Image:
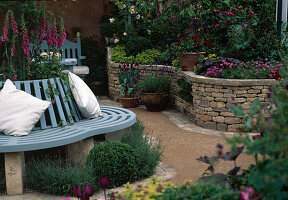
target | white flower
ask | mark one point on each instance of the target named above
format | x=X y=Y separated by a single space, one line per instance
x=112 y=20
x=116 y=40
x=44 y=54
x=149 y=32
x=138 y=16
x=124 y=33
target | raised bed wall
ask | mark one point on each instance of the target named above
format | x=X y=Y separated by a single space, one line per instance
x=212 y=97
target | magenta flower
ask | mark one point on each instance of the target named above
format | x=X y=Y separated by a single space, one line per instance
x=245 y=25
x=89 y=190
x=26 y=44
x=217 y=25
x=13 y=49
x=14 y=24
x=77 y=191
x=104 y=182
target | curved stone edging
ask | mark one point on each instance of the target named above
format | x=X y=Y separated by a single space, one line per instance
x=212 y=97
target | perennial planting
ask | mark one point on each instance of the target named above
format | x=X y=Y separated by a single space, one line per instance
x=20 y=43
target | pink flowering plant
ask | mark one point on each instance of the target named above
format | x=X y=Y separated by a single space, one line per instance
x=247 y=70
x=186 y=45
x=20 y=41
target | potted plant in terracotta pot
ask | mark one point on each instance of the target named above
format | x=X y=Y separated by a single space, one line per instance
x=128 y=79
x=155 y=92
x=188 y=51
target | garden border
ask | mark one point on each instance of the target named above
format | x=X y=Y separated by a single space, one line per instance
x=212 y=97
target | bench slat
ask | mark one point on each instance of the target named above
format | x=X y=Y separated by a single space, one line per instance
x=75 y=112
x=18 y=85
x=58 y=103
x=64 y=100
x=27 y=87
x=38 y=95
x=50 y=108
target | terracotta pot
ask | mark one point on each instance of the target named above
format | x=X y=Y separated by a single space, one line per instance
x=190 y=60
x=155 y=102
x=129 y=102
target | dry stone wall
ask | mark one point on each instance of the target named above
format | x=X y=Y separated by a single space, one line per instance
x=212 y=97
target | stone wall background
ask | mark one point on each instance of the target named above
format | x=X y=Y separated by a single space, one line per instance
x=212 y=97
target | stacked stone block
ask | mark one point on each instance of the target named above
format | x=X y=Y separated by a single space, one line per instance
x=212 y=97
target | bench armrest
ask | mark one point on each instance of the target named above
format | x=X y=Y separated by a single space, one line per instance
x=82 y=57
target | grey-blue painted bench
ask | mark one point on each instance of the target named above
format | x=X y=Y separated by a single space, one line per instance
x=76 y=133
x=69 y=50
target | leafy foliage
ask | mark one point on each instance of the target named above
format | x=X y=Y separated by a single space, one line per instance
x=115 y=160
x=148 y=150
x=109 y=29
x=269 y=175
x=149 y=56
x=198 y=191
x=119 y=55
x=137 y=44
x=184 y=84
x=154 y=84
x=2 y=181
x=54 y=177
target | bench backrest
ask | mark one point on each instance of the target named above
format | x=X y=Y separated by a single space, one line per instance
x=69 y=49
x=63 y=109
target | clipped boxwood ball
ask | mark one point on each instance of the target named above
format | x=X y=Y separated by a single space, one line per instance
x=115 y=160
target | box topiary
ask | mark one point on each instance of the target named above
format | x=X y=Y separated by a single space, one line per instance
x=115 y=160
x=137 y=44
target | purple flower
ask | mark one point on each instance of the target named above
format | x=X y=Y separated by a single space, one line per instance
x=104 y=182
x=77 y=191
x=89 y=190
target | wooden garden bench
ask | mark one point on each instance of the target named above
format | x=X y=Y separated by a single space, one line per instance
x=76 y=133
x=70 y=50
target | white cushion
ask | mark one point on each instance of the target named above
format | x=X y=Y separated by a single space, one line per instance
x=84 y=97
x=19 y=111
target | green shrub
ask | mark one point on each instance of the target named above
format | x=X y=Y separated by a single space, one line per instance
x=119 y=55
x=147 y=150
x=185 y=96
x=108 y=29
x=148 y=56
x=54 y=177
x=197 y=192
x=137 y=44
x=115 y=160
x=176 y=63
x=184 y=84
x=155 y=84
x=2 y=181
x=168 y=191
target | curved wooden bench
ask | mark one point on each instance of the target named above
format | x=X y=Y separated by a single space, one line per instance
x=61 y=124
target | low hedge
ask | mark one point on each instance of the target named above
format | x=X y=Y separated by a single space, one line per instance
x=54 y=177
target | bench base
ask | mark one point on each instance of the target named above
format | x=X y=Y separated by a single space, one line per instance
x=14 y=172
x=76 y=154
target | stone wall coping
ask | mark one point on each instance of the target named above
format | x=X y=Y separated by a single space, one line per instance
x=191 y=76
